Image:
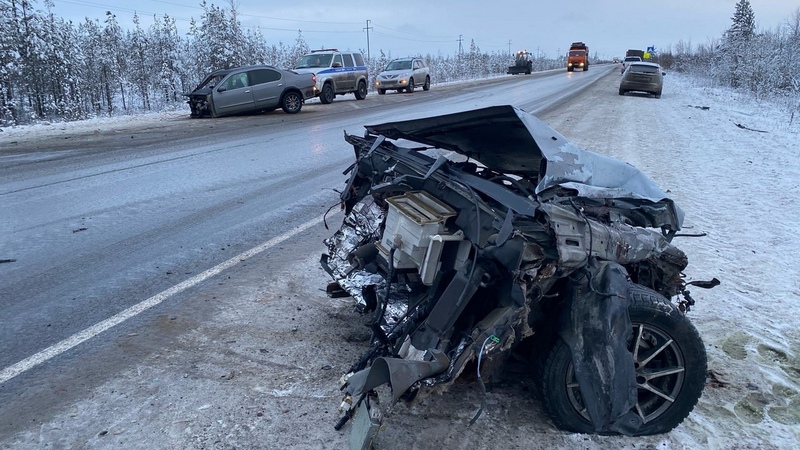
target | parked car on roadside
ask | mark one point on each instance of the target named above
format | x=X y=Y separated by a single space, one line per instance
x=642 y=77
x=250 y=89
x=404 y=74
x=337 y=73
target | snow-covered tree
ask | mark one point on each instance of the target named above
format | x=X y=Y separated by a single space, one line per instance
x=744 y=23
x=113 y=62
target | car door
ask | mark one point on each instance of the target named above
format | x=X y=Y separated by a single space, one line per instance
x=268 y=85
x=350 y=72
x=233 y=95
x=419 y=72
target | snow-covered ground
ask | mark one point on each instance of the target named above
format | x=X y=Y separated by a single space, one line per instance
x=741 y=187
x=236 y=380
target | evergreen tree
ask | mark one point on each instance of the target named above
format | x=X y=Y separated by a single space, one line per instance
x=744 y=23
x=113 y=62
x=9 y=66
x=737 y=43
x=140 y=72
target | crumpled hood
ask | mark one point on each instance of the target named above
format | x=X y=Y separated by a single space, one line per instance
x=309 y=69
x=201 y=92
x=510 y=140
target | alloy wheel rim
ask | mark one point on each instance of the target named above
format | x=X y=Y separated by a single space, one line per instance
x=660 y=372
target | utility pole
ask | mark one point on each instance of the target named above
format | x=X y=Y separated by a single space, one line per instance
x=368 y=28
x=509 y=46
x=460 y=49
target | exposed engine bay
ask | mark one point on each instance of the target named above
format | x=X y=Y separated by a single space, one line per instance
x=496 y=230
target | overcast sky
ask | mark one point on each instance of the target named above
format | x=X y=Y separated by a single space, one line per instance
x=608 y=27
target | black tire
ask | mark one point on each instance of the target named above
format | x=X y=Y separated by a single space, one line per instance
x=657 y=324
x=427 y=85
x=410 y=87
x=621 y=92
x=569 y=69
x=381 y=91
x=657 y=94
x=292 y=102
x=327 y=94
x=585 y=68
x=361 y=92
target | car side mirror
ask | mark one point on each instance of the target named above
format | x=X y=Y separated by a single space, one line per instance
x=337 y=64
x=663 y=74
x=222 y=89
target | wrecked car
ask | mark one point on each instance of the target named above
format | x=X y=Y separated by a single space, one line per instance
x=492 y=233
x=251 y=89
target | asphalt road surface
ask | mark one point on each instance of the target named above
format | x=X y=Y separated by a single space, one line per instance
x=124 y=240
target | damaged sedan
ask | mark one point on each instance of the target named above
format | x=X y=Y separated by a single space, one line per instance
x=251 y=89
x=472 y=235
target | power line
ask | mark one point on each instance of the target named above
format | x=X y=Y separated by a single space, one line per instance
x=403 y=38
x=141 y=13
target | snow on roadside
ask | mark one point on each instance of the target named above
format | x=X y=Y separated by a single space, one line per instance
x=88 y=126
x=739 y=186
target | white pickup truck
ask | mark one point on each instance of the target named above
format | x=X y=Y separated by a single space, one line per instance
x=627 y=60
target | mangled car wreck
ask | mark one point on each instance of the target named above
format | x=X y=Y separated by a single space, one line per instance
x=497 y=232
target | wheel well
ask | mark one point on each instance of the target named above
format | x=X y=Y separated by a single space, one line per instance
x=288 y=90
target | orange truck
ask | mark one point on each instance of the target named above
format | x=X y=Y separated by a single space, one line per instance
x=578 y=57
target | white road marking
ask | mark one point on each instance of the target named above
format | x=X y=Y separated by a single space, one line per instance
x=83 y=336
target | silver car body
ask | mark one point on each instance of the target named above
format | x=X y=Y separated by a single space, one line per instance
x=249 y=89
x=642 y=77
x=404 y=74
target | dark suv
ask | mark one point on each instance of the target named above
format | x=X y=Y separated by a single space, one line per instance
x=337 y=73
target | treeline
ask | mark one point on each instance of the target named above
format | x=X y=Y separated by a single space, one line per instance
x=765 y=63
x=52 y=69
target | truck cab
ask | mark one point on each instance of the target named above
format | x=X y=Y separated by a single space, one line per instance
x=578 y=57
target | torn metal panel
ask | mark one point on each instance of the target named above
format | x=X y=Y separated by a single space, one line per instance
x=597 y=308
x=511 y=141
x=400 y=374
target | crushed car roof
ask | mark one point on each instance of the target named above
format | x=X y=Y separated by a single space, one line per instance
x=510 y=140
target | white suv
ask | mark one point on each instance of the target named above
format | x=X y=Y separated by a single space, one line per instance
x=404 y=75
x=337 y=73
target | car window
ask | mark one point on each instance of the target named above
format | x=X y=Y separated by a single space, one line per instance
x=261 y=76
x=359 y=59
x=314 y=60
x=236 y=81
x=643 y=69
x=337 y=59
x=399 y=65
x=348 y=60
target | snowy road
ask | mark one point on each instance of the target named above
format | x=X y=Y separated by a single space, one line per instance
x=251 y=358
x=101 y=216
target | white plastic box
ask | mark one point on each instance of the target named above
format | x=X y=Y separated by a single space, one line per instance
x=410 y=222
